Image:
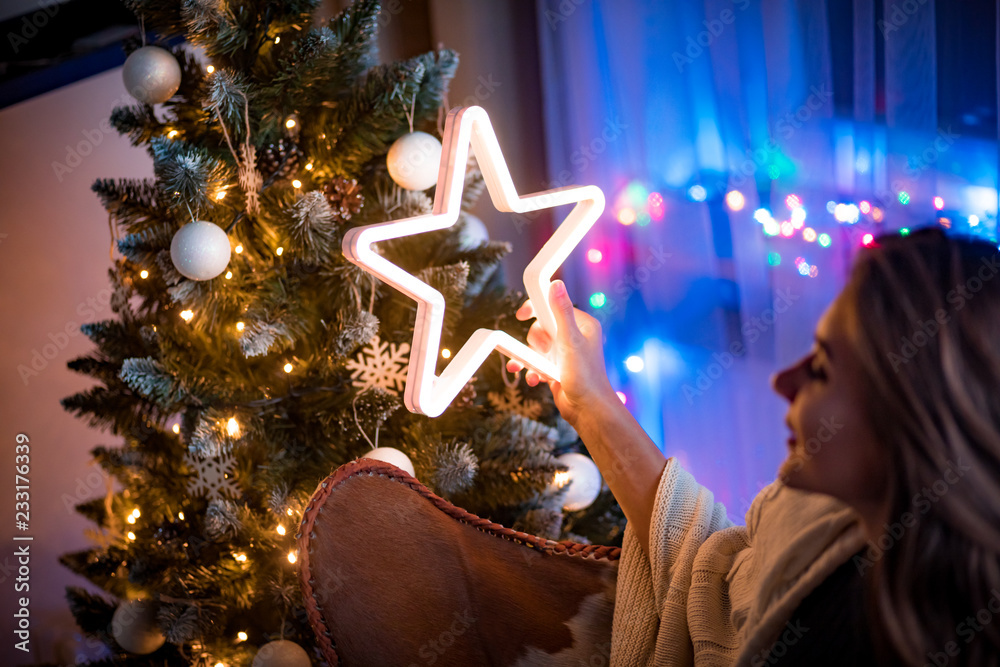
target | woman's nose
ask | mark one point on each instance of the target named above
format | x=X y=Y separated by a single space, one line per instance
x=785 y=382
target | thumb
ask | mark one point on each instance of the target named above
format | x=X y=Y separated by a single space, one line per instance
x=562 y=309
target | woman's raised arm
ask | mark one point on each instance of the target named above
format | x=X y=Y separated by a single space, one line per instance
x=628 y=459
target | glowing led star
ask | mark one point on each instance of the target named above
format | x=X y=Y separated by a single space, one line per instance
x=426 y=392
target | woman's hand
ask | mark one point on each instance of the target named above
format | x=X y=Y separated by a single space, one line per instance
x=578 y=354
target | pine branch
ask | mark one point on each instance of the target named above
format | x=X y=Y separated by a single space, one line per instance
x=186 y=174
x=137 y=121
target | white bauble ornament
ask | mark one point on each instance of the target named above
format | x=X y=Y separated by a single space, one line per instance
x=134 y=627
x=200 y=250
x=393 y=456
x=151 y=75
x=584 y=481
x=474 y=233
x=413 y=160
x=281 y=653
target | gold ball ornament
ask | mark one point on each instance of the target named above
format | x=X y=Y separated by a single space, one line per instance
x=281 y=653
x=134 y=627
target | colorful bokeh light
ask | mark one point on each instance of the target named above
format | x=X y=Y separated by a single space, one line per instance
x=735 y=200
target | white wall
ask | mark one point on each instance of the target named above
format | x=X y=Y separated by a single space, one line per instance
x=54 y=257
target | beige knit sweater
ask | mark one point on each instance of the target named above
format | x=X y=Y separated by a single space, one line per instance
x=714 y=593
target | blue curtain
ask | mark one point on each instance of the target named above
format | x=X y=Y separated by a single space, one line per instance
x=689 y=101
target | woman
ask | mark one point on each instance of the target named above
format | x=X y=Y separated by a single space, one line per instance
x=880 y=541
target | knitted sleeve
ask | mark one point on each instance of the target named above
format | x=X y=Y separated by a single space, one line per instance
x=650 y=618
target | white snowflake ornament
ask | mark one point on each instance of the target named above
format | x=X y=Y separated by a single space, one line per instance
x=380 y=365
x=512 y=401
x=214 y=477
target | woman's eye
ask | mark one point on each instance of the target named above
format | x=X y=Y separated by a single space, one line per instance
x=816 y=371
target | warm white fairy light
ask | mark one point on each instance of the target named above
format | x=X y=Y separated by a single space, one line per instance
x=290 y=123
x=186 y=315
x=281 y=529
x=180 y=515
x=296 y=184
x=242 y=636
x=177 y=428
x=136 y=513
x=239 y=326
x=238 y=249
x=172 y=133
x=288 y=368
x=220 y=664
x=240 y=557
x=220 y=194
x=210 y=69
x=229 y=274
x=289 y=511
x=131 y=535
x=292 y=557
x=277 y=39
x=233 y=427
x=279 y=250
x=446 y=353
x=309 y=166
x=130 y=518
x=144 y=274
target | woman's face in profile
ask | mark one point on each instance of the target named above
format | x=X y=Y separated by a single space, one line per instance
x=831 y=447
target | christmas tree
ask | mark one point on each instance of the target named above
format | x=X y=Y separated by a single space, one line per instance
x=237 y=380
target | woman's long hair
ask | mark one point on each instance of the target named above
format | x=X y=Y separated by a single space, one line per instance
x=926 y=310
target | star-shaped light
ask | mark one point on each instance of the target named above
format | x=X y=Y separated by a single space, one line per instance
x=426 y=392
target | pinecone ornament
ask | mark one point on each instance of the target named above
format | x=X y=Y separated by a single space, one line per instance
x=467 y=397
x=280 y=159
x=344 y=195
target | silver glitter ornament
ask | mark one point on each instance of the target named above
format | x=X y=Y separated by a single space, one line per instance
x=151 y=75
x=200 y=250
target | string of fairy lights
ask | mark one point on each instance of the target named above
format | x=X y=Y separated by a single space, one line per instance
x=637 y=206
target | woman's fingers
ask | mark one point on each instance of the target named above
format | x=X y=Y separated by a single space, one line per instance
x=514 y=366
x=538 y=338
x=525 y=312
